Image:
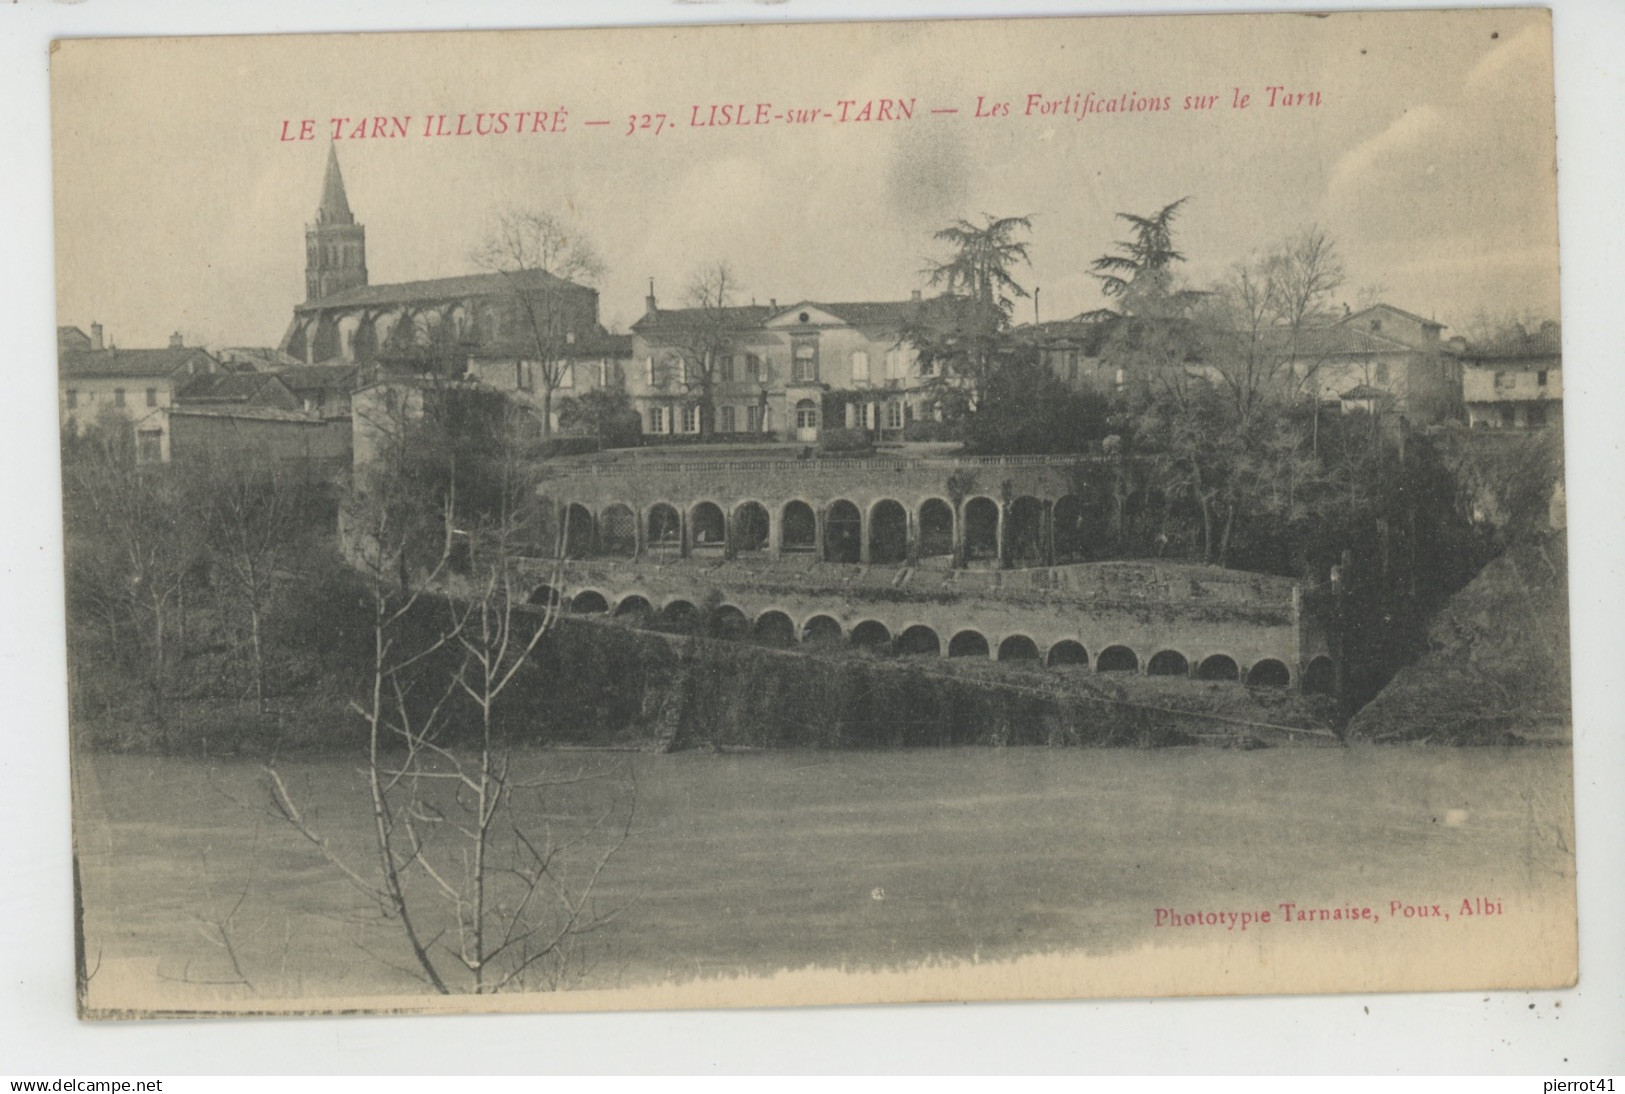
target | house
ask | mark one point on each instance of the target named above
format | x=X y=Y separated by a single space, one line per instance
x=1515 y=381
x=794 y=371
x=1379 y=356
x=324 y=390
x=418 y=327
x=595 y=360
x=236 y=389
x=138 y=385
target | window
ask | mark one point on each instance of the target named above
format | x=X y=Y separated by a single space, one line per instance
x=806 y=362
x=871 y=416
x=753 y=367
x=73 y=398
x=1535 y=416
x=1505 y=380
x=649 y=371
x=897 y=364
x=1540 y=378
x=753 y=419
x=894 y=415
x=149 y=446
x=152 y=396
x=118 y=396
x=860 y=367
x=1509 y=417
x=806 y=414
x=691 y=418
x=1072 y=366
x=566 y=374
x=603 y=372
x=659 y=420
x=728 y=421
x=1376 y=324
x=1382 y=372
x=725 y=368
x=524 y=376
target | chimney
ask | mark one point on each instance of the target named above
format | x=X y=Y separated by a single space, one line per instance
x=772 y=303
x=175 y=340
x=95 y=336
x=915 y=296
x=649 y=301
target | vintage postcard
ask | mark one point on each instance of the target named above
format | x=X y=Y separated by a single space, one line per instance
x=806 y=514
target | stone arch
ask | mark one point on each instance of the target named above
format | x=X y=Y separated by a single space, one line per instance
x=618 y=531
x=821 y=630
x=843 y=532
x=1117 y=659
x=1067 y=522
x=544 y=596
x=919 y=641
x=589 y=602
x=727 y=621
x=680 y=615
x=968 y=644
x=577 y=531
x=664 y=528
x=871 y=634
x=1068 y=652
x=750 y=527
x=774 y=628
x=936 y=528
x=1024 y=539
x=798 y=527
x=1269 y=673
x=1168 y=663
x=888 y=532
x=981 y=528
x=1218 y=666
x=707 y=528
x=635 y=608
x=1320 y=676
x=1018 y=647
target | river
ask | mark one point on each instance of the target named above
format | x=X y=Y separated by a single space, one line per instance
x=743 y=864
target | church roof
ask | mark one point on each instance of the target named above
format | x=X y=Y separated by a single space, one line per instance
x=335 y=206
x=442 y=289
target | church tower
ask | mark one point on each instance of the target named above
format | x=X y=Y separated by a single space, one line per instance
x=335 y=245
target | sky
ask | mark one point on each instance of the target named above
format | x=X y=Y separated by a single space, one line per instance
x=1429 y=157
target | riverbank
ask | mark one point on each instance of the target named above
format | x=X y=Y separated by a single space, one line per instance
x=642 y=689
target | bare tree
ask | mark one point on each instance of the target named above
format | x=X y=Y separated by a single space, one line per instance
x=466 y=860
x=545 y=263
x=134 y=536
x=702 y=343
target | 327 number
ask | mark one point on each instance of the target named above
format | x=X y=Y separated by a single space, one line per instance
x=655 y=123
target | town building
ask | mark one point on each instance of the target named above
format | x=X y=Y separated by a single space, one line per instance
x=789 y=373
x=1516 y=381
x=97 y=381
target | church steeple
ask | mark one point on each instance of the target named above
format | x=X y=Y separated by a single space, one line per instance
x=335 y=206
x=335 y=245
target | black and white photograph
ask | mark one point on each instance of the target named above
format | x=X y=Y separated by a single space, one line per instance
x=805 y=514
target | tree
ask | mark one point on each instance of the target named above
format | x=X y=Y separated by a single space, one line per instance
x=134 y=536
x=253 y=516
x=981 y=263
x=1141 y=273
x=962 y=339
x=1259 y=316
x=703 y=341
x=543 y=261
x=605 y=413
x=465 y=861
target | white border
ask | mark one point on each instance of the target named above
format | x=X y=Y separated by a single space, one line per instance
x=1507 y=1033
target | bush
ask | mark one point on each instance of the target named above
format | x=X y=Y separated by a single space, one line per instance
x=845 y=441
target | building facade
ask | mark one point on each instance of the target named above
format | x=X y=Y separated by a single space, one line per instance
x=97 y=381
x=1515 y=383
x=791 y=373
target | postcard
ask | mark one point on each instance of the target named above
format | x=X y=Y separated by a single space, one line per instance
x=810 y=514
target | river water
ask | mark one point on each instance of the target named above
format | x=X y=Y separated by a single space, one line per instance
x=749 y=863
